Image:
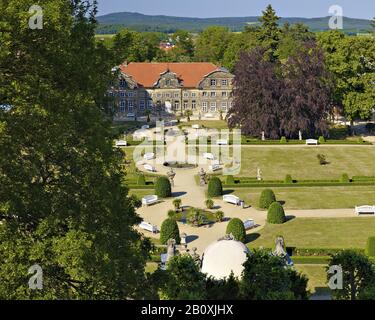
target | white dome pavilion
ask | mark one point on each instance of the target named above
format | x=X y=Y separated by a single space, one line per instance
x=223 y=257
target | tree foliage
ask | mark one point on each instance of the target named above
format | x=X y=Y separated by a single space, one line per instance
x=62 y=203
x=169 y=230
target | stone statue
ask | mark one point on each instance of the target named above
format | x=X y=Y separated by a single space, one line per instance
x=263 y=136
x=259 y=175
x=279 y=250
x=227 y=237
x=171 y=248
x=195 y=256
x=171 y=174
x=202 y=177
x=300 y=135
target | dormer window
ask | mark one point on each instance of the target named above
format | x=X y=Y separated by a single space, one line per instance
x=168 y=83
x=213 y=82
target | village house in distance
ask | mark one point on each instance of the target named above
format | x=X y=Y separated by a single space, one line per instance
x=201 y=87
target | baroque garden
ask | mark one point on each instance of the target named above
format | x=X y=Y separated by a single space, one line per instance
x=185 y=174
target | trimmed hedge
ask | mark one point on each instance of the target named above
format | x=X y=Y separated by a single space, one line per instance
x=345 y=178
x=229 y=180
x=276 y=214
x=370 y=247
x=163 y=187
x=141 y=181
x=311 y=259
x=215 y=187
x=169 y=230
x=267 y=197
x=321 y=140
x=288 y=179
x=283 y=140
x=237 y=229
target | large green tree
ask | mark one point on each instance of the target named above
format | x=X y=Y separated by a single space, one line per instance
x=352 y=62
x=62 y=203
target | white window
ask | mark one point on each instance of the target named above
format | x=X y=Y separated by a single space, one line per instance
x=167 y=95
x=130 y=94
x=149 y=104
x=130 y=105
x=186 y=94
x=176 y=105
x=193 y=104
x=205 y=94
x=186 y=104
x=141 y=104
x=204 y=106
x=168 y=82
x=224 y=82
x=122 y=105
x=176 y=95
x=123 y=94
x=224 y=94
x=213 y=94
x=213 y=106
x=193 y=94
x=224 y=106
x=213 y=82
x=122 y=83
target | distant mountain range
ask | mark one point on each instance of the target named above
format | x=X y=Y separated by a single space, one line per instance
x=111 y=23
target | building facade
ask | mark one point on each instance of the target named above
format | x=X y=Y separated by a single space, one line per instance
x=203 y=88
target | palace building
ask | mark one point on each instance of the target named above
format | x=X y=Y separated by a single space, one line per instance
x=201 y=87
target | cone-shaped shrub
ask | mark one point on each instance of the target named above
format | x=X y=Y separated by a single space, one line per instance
x=169 y=230
x=141 y=181
x=163 y=187
x=267 y=197
x=215 y=188
x=237 y=229
x=276 y=214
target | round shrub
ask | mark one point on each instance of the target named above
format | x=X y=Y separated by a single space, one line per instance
x=169 y=230
x=219 y=215
x=267 y=197
x=215 y=188
x=229 y=180
x=288 y=179
x=345 y=178
x=209 y=203
x=370 y=247
x=321 y=140
x=141 y=181
x=283 y=140
x=163 y=187
x=237 y=229
x=177 y=203
x=276 y=214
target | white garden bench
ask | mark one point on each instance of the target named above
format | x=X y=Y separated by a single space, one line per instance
x=222 y=142
x=195 y=126
x=121 y=143
x=146 y=126
x=208 y=115
x=365 y=210
x=148 y=227
x=311 y=142
x=149 y=156
x=231 y=199
x=151 y=199
x=208 y=156
x=149 y=167
x=249 y=224
x=214 y=167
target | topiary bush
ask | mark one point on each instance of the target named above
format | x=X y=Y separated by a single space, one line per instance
x=177 y=203
x=267 y=197
x=276 y=214
x=141 y=181
x=321 y=140
x=370 y=247
x=171 y=214
x=229 y=180
x=237 y=229
x=283 y=140
x=209 y=203
x=163 y=187
x=345 y=178
x=219 y=215
x=169 y=230
x=288 y=179
x=215 y=188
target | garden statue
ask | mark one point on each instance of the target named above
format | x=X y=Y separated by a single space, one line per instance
x=171 y=174
x=196 y=257
x=300 y=135
x=259 y=174
x=263 y=136
x=280 y=251
x=171 y=248
x=202 y=177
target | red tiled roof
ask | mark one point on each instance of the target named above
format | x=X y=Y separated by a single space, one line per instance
x=147 y=74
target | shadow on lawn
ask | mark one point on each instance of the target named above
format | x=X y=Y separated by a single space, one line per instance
x=252 y=237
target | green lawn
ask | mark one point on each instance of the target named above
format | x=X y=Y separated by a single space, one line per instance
x=316 y=274
x=140 y=193
x=302 y=162
x=317 y=233
x=314 y=197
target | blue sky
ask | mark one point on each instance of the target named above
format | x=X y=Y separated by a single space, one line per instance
x=237 y=8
